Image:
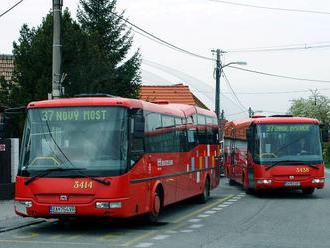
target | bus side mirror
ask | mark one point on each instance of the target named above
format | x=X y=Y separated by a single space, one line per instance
x=248 y=134
x=2 y=130
x=324 y=133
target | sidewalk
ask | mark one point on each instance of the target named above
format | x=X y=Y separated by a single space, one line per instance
x=10 y=221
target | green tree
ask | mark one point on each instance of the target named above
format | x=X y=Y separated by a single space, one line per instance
x=109 y=40
x=315 y=106
x=33 y=59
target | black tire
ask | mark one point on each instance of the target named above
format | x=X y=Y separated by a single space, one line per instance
x=153 y=215
x=247 y=189
x=308 y=191
x=231 y=182
x=204 y=197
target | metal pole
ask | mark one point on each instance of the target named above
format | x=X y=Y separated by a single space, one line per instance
x=217 y=85
x=57 y=49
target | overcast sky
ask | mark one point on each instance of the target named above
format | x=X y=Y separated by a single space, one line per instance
x=202 y=25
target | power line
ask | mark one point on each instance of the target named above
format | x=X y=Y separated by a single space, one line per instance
x=168 y=44
x=176 y=48
x=273 y=92
x=278 y=49
x=232 y=90
x=269 y=92
x=1 y=15
x=273 y=8
x=279 y=76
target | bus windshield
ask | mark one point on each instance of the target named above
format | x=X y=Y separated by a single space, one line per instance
x=91 y=138
x=287 y=142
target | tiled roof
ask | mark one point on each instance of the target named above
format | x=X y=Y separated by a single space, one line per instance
x=177 y=93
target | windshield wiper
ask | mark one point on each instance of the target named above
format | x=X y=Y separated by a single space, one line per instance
x=48 y=171
x=105 y=182
x=291 y=162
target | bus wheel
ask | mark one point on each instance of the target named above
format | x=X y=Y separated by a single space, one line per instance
x=203 y=198
x=246 y=187
x=308 y=191
x=152 y=216
x=231 y=182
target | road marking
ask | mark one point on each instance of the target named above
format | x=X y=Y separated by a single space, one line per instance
x=187 y=231
x=210 y=212
x=232 y=200
x=109 y=236
x=144 y=245
x=194 y=220
x=74 y=237
x=198 y=211
x=177 y=222
x=58 y=236
x=216 y=209
x=161 y=237
x=196 y=226
x=222 y=205
x=27 y=236
x=203 y=215
x=45 y=242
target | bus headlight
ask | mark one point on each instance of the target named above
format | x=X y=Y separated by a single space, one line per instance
x=318 y=180
x=108 y=204
x=264 y=181
x=22 y=206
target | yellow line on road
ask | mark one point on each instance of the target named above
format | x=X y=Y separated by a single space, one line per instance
x=27 y=236
x=44 y=242
x=177 y=222
x=109 y=236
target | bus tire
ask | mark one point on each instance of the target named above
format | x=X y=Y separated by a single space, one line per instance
x=246 y=187
x=308 y=191
x=152 y=216
x=204 y=197
x=231 y=182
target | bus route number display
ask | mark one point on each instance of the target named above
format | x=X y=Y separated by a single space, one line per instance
x=74 y=115
x=287 y=128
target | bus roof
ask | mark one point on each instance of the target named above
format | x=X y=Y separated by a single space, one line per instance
x=272 y=120
x=180 y=110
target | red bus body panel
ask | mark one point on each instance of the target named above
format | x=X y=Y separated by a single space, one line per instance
x=240 y=167
x=182 y=175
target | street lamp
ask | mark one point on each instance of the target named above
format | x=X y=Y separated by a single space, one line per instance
x=218 y=75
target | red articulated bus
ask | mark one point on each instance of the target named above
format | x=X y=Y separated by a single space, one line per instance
x=274 y=152
x=116 y=157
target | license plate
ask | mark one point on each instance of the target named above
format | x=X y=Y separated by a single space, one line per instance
x=62 y=210
x=292 y=184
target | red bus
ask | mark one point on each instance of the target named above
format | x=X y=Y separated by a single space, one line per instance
x=111 y=156
x=274 y=152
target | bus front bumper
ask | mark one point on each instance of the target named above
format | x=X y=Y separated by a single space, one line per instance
x=117 y=208
x=270 y=183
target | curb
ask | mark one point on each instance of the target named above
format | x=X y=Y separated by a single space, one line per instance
x=31 y=223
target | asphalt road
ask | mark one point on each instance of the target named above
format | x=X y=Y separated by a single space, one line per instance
x=230 y=219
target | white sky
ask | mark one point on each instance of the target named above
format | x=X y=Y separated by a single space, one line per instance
x=200 y=26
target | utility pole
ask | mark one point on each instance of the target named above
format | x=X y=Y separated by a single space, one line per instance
x=57 y=49
x=217 y=83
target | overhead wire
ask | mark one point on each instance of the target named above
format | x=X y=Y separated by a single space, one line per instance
x=176 y=48
x=279 y=49
x=170 y=45
x=272 y=8
x=2 y=14
x=232 y=90
x=279 y=76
